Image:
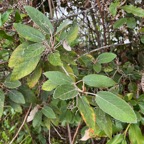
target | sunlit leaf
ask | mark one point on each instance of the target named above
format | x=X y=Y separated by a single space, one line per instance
x=100 y=81
x=115 y=106
x=106 y=57
x=24 y=68
x=113 y=7
x=97 y=67
x=58 y=78
x=54 y=59
x=49 y=85
x=40 y=19
x=63 y=25
x=116 y=140
x=65 y=92
x=16 y=56
x=137 y=11
x=29 y=33
x=119 y=22
x=135 y=134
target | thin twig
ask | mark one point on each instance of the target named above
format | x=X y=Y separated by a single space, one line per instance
x=76 y=132
x=49 y=137
x=69 y=134
x=100 y=48
x=76 y=14
x=58 y=133
x=21 y=125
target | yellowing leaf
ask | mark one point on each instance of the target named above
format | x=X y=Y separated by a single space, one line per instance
x=87 y=112
x=32 y=80
x=24 y=68
x=49 y=85
x=16 y=56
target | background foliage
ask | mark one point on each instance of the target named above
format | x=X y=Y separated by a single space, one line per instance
x=71 y=72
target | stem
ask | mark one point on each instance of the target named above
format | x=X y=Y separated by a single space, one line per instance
x=69 y=134
x=125 y=132
x=21 y=125
x=76 y=132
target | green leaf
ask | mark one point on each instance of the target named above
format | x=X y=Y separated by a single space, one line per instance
x=63 y=25
x=29 y=33
x=135 y=134
x=37 y=119
x=48 y=112
x=104 y=122
x=40 y=19
x=116 y=140
x=71 y=35
x=2 y=99
x=11 y=84
x=4 y=35
x=113 y=8
x=115 y=106
x=49 y=85
x=119 y=22
x=5 y=16
x=32 y=80
x=87 y=112
x=137 y=11
x=33 y=50
x=100 y=81
x=16 y=96
x=106 y=57
x=54 y=59
x=16 y=107
x=58 y=78
x=28 y=94
x=131 y=22
x=142 y=39
x=24 y=68
x=65 y=92
x=0 y=20
x=97 y=67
